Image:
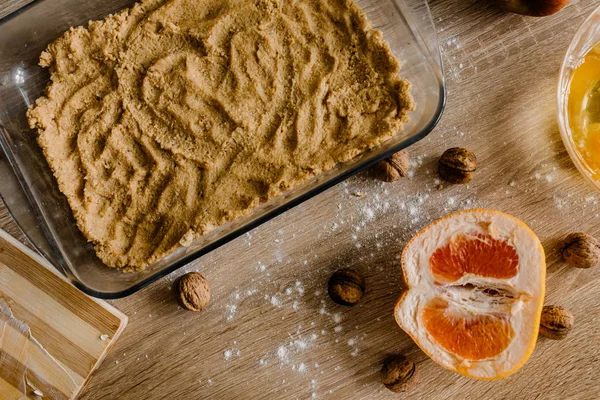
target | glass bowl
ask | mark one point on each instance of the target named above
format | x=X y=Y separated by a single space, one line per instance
x=586 y=37
x=31 y=193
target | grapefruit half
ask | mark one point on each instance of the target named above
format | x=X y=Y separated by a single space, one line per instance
x=474 y=292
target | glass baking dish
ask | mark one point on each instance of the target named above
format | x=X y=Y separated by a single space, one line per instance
x=31 y=193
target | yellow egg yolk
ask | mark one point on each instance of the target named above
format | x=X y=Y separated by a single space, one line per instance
x=584 y=110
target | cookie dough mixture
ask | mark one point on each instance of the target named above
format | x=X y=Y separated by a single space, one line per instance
x=171 y=118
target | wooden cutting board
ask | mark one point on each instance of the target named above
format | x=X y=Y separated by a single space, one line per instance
x=52 y=336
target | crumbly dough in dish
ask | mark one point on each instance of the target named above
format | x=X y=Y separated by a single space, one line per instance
x=171 y=118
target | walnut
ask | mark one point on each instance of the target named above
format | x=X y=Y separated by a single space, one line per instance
x=581 y=250
x=457 y=165
x=398 y=373
x=193 y=291
x=393 y=168
x=556 y=322
x=346 y=287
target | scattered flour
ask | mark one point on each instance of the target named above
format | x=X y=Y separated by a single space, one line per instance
x=368 y=213
x=275 y=302
x=300 y=344
x=337 y=318
x=229 y=353
x=292 y=353
x=231 y=310
x=282 y=354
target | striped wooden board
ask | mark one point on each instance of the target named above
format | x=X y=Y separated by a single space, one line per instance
x=52 y=336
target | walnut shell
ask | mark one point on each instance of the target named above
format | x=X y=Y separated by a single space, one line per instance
x=346 y=287
x=393 y=168
x=457 y=165
x=556 y=322
x=193 y=291
x=581 y=250
x=398 y=373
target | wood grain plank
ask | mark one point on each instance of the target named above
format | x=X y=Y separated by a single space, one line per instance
x=44 y=306
x=64 y=348
x=12 y=372
x=33 y=380
x=61 y=347
x=8 y=391
x=40 y=370
x=68 y=296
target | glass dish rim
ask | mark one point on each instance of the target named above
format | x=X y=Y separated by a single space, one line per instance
x=562 y=101
x=439 y=110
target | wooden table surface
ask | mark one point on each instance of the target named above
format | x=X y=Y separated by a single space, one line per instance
x=272 y=332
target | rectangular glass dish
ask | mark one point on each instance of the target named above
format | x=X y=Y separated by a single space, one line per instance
x=31 y=194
